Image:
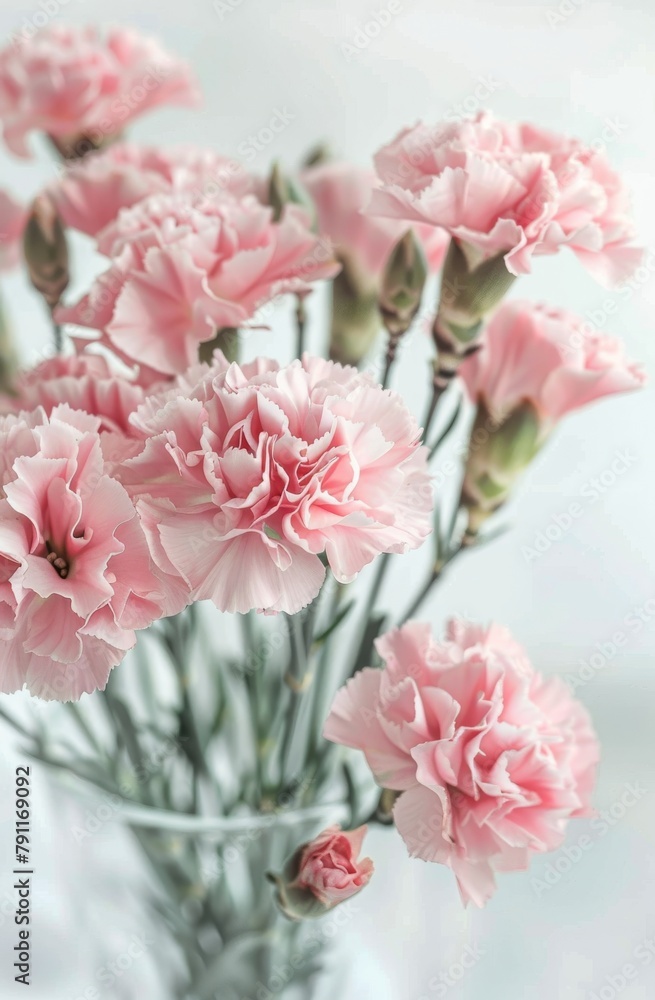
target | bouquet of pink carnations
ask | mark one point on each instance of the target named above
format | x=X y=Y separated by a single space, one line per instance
x=150 y=468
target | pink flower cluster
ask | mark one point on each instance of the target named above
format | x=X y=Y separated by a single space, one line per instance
x=258 y=470
x=91 y=192
x=547 y=356
x=71 y=81
x=511 y=189
x=75 y=573
x=491 y=759
x=185 y=266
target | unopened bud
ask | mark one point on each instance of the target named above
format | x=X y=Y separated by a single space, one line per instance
x=402 y=285
x=80 y=144
x=470 y=289
x=226 y=340
x=46 y=250
x=8 y=359
x=499 y=451
x=282 y=190
x=318 y=155
x=355 y=321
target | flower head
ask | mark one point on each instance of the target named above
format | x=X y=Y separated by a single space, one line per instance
x=323 y=873
x=86 y=382
x=70 y=82
x=549 y=357
x=248 y=478
x=91 y=192
x=512 y=190
x=75 y=576
x=184 y=267
x=492 y=760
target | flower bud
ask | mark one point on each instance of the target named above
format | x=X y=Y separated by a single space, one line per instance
x=8 y=359
x=80 y=144
x=322 y=873
x=402 y=285
x=498 y=453
x=355 y=319
x=469 y=291
x=226 y=340
x=282 y=190
x=46 y=250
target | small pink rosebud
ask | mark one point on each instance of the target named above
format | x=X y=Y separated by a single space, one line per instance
x=322 y=873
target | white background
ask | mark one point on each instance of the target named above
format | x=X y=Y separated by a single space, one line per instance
x=585 y=68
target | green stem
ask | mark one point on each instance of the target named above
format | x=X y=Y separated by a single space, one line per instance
x=301 y=321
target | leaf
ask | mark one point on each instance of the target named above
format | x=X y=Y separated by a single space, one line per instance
x=347 y=608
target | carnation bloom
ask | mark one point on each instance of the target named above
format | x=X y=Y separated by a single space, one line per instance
x=510 y=189
x=86 y=383
x=12 y=223
x=492 y=760
x=75 y=576
x=549 y=357
x=341 y=193
x=245 y=481
x=70 y=81
x=91 y=192
x=184 y=267
x=323 y=873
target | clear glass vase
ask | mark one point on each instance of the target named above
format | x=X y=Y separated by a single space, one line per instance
x=212 y=901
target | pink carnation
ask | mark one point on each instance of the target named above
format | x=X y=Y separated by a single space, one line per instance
x=341 y=193
x=86 y=383
x=75 y=577
x=548 y=356
x=511 y=189
x=69 y=81
x=492 y=760
x=247 y=480
x=329 y=867
x=184 y=267
x=12 y=223
x=92 y=191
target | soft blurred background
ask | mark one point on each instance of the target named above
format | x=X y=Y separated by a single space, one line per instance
x=580 y=594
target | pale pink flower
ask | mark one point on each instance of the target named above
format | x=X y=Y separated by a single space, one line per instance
x=550 y=357
x=184 y=267
x=247 y=480
x=341 y=193
x=90 y=193
x=492 y=760
x=70 y=81
x=510 y=189
x=329 y=867
x=75 y=576
x=86 y=382
x=12 y=223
